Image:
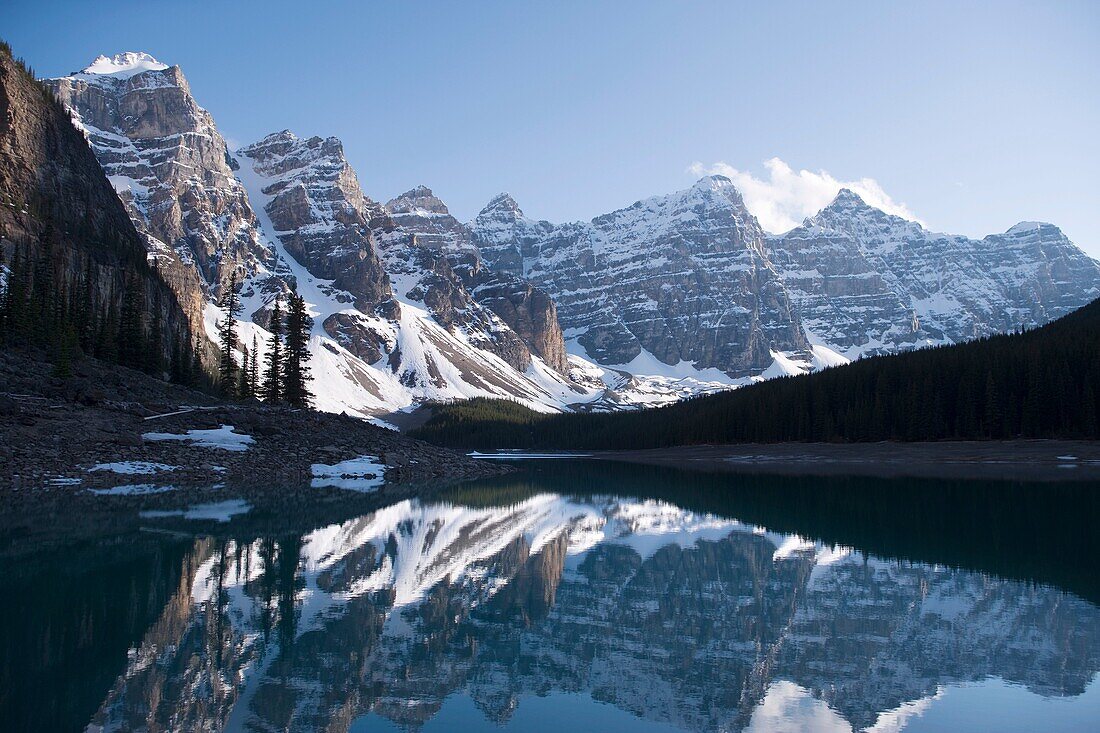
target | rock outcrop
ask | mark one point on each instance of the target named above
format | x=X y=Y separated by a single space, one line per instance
x=691 y=277
x=396 y=318
x=289 y=214
x=320 y=213
x=672 y=296
x=422 y=222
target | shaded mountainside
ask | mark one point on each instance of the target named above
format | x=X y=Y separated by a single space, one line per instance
x=76 y=269
x=164 y=156
x=1042 y=383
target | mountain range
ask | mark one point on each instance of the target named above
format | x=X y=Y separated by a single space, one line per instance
x=672 y=296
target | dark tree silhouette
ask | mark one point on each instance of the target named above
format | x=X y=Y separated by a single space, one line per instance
x=272 y=390
x=296 y=371
x=227 y=338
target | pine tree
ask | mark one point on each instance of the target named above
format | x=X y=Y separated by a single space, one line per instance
x=85 y=311
x=131 y=326
x=154 y=344
x=196 y=376
x=254 y=367
x=16 y=297
x=65 y=346
x=272 y=390
x=176 y=370
x=106 y=342
x=244 y=379
x=42 y=325
x=227 y=337
x=296 y=372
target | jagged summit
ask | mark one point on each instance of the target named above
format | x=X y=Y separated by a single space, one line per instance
x=714 y=182
x=848 y=211
x=123 y=65
x=708 y=190
x=502 y=203
x=282 y=141
x=1024 y=227
x=847 y=197
x=287 y=135
x=681 y=283
x=417 y=200
x=285 y=142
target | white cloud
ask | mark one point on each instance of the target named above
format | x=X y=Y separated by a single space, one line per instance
x=785 y=197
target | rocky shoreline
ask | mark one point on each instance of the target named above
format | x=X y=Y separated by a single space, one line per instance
x=54 y=433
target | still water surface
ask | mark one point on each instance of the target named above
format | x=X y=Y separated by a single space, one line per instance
x=577 y=596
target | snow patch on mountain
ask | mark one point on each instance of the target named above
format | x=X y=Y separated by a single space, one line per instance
x=123 y=65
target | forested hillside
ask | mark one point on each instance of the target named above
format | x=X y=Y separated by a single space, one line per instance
x=76 y=278
x=1042 y=383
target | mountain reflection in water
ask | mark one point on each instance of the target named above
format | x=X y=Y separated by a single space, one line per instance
x=675 y=606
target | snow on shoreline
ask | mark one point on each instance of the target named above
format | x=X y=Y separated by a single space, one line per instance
x=365 y=473
x=130 y=468
x=224 y=438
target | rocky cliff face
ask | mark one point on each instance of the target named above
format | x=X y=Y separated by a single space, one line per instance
x=684 y=277
x=167 y=161
x=867 y=282
x=673 y=296
x=320 y=213
x=422 y=222
x=57 y=203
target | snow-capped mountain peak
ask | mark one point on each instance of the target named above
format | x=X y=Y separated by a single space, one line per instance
x=419 y=200
x=502 y=204
x=1029 y=226
x=123 y=65
x=286 y=137
x=849 y=214
x=714 y=182
x=847 y=197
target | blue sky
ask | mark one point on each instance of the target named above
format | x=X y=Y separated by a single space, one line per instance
x=970 y=116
